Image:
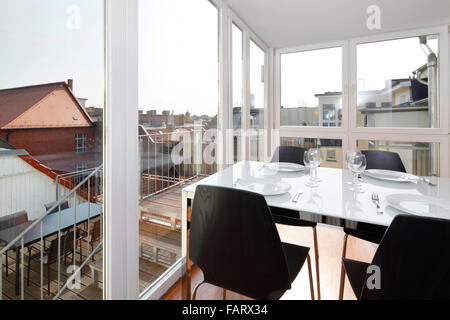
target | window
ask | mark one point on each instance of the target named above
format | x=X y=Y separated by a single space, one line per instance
x=238 y=90
x=178 y=103
x=53 y=76
x=80 y=172
x=311 y=88
x=419 y=158
x=331 y=148
x=401 y=77
x=257 y=102
x=80 y=143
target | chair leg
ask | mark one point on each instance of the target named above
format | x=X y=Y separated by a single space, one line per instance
x=92 y=249
x=342 y=283
x=311 y=285
x=224 y=294
x=29 y=267
x=48 y=278
x=198 y=285
x=316 y=251
x=6 y=263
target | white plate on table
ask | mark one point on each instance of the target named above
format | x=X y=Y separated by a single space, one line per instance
x=391 y=176
x=419 y=205
x=266 y=188
x=284 y=166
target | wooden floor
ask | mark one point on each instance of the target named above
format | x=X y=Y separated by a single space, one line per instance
x=330 y=250
x=86 y=290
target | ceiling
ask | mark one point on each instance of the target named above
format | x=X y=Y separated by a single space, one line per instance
x=286 y=23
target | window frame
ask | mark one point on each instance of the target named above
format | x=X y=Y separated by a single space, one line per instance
x=349 y=132
x=80 y=138
x=247 y=36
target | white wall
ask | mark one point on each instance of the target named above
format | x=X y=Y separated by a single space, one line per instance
x=22 y=187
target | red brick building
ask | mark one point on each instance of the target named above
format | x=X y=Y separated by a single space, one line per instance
x=48 y=122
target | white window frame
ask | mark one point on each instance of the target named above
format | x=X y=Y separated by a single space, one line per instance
x=80 y=143
x=121 y=228
x=247 y=36
x=349 y=133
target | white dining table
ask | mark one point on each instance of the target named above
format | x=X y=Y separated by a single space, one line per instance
x=331 y=202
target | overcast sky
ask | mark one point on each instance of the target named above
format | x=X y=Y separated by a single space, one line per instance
x=47 y=41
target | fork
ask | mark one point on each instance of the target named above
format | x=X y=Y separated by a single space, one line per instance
x=297 y=195
x=376 y=200
x=427 y=181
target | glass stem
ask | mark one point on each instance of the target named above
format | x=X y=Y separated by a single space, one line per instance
x=355 y=179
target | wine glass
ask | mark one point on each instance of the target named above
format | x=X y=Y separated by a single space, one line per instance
x=360 y=170
x=319 y=157
x=356 y=163
x=351 y=163
x=312 y=159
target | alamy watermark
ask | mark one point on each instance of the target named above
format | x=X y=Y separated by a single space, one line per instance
x=73 y=17
x=373 y=21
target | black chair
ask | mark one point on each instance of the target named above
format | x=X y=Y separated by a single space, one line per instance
x=235 y=243
x=10 y=221
x=50 y=255
x=91 y=238
x=386 y=160
x=289 y=154
x=288 y=217
x=64 y=205
x=375 y=160
x=413 y=260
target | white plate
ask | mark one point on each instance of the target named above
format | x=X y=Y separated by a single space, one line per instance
x=389 y=175
x=265 y=188
x=284 y=167
x=419 y=205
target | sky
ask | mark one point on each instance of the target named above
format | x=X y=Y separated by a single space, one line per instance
x=178 y=56
x=304 y=74
x=54 y=40
x=46 y=41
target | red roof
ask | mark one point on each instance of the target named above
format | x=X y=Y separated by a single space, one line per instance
x=41 y=106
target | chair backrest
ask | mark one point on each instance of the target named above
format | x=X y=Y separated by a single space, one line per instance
x=414 y=260
x=64 y=205
x=65 y=246
x=289 y=154
x=14 y=219
x=96 y=232
x=234 y=241
x=386 y=160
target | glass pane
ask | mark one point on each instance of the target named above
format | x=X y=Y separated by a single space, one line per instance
x=257 y=102
x=311 y=88
x=178 y=102
x=398 y=83
x=238 y=91
x=419 y=158
x=331 y=149
x=51 y=139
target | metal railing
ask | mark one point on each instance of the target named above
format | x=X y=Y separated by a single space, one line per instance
x=75 y=194
x=170 y=159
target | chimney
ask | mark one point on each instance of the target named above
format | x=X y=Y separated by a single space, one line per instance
x=70 y=83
